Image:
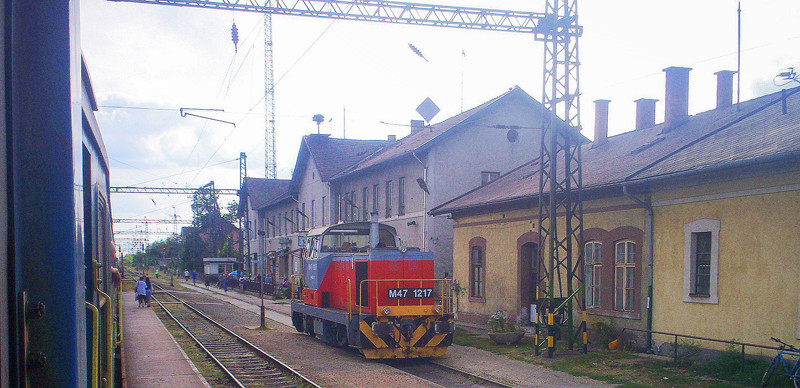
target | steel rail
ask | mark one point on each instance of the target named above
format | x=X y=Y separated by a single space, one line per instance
x=470 y=375
x=286 y=368
x=196 y=340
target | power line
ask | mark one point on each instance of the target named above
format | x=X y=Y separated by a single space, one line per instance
x=181 y=173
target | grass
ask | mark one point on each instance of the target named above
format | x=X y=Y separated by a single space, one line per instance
x=632 y=369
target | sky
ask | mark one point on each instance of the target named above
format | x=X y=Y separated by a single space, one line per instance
x=148 y=61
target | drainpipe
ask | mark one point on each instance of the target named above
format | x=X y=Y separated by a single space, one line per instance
x=424 y=203
x=649 y=209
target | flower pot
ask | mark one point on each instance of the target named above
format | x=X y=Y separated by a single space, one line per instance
x=507 y=338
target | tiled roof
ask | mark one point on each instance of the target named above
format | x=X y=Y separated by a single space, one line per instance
x=332 y=155
x=714 y=139
x=429 y=135
x=263 y=192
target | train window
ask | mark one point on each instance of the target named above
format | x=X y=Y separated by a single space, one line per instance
x=313 y=248
x=348 y=240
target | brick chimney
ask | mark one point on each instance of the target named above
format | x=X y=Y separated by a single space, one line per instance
x=600 y=122
x=645 y=113
x=391 y=137
x=676 y=99
x=417 y=125
x=724 y=88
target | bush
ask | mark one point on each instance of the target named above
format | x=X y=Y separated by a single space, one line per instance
x=606 y=332
x=499 y=322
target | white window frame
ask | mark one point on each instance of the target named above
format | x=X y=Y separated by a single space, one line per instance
x=625 y=265
x=595 y=264
x=698 y=226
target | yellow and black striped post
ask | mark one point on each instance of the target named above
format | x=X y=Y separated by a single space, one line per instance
x=551 y=343
x=585 y=335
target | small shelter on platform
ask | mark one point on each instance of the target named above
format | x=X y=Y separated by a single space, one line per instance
x=218 y=265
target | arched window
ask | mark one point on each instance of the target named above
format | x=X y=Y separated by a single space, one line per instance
x=593 y=253
x=477 y=268
x=624 y=275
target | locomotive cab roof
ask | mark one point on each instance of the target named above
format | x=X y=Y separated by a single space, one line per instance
x=348 y=226
x=353 y=237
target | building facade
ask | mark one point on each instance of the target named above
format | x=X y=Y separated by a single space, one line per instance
x=336 y=180
x=437 y=163
x=702 y=210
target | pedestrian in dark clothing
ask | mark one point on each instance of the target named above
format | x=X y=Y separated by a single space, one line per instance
x=148 y=290
x=225 y=283
x=194 y=277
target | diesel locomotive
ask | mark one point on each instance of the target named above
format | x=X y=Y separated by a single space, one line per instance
x=361 y=290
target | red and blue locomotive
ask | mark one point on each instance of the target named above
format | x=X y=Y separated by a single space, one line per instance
x=361 y=290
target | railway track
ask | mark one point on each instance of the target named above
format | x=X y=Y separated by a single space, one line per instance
x=244 y=363
x=444 y=375
x=440 y=374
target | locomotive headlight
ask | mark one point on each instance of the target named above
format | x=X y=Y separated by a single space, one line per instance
x=386 y=311
x=438 y=309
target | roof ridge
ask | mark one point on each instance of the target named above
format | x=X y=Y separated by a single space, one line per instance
x=714 y=132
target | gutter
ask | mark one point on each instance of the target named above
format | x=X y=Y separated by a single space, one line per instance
x=649 y=208
x=424 y=202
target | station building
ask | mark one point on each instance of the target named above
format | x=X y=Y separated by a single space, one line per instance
x=701 y=209
x=342 y=180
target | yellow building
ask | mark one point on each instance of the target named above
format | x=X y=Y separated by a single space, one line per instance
x=704 y=208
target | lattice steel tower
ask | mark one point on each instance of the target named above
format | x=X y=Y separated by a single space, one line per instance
x=560 y=186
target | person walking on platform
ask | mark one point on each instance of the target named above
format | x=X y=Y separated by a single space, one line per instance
x=141 y=291
x=225 y=283
x=148 y=290
x=186 y=275
x=156 y=273
x=194 y=277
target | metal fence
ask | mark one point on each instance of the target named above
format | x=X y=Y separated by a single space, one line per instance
x=676 y=336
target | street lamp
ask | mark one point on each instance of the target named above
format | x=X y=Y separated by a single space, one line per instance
x=263 y=326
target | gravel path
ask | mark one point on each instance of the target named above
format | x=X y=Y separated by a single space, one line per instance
x=511 y=372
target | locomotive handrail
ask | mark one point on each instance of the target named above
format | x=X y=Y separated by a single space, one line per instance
x=95 y=341
x=110 y=340
x=119 y=316
x=349 y=303
x=293 y=277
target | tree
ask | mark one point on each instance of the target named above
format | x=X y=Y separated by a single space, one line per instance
x=231 y=212
x=207 y=216
x=170 y=247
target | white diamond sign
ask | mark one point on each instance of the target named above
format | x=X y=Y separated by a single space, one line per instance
x=428 y=109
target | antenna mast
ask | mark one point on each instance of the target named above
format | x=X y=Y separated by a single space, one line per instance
x=270 y=163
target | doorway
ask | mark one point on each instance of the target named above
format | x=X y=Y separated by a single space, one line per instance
x=528 y=266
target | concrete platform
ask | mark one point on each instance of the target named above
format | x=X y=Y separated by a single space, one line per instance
x=151 y=357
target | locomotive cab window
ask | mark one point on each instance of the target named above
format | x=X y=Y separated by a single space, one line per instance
x=354 y=239
x=312 y=246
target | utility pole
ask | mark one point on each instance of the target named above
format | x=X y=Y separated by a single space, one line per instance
x=244 y=234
